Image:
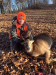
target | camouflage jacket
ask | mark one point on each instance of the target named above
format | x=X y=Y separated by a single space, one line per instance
x=14 y=36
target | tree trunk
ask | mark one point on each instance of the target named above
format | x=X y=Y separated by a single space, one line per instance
x=1 y=6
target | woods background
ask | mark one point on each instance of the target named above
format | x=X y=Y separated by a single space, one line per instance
x=12 y=6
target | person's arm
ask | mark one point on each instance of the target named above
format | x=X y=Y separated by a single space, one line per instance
x=14 y=34
x=30 y=34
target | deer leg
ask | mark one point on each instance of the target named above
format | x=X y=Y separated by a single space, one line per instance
x=47 y=58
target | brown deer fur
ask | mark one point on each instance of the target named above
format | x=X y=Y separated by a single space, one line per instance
x=40 y=45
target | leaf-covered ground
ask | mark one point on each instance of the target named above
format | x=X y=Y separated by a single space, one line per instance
x=18 y=62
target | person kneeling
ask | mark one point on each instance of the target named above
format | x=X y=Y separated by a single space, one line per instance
x=19 y=30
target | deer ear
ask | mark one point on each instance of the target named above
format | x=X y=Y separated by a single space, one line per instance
x=32 y=41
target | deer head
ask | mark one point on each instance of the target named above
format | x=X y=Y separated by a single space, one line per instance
x=28 y=45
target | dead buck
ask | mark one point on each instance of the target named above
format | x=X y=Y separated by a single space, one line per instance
x=40 y=45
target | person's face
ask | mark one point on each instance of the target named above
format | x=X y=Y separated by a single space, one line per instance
x=21 y=21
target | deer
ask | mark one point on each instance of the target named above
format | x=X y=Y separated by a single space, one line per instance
x=40 y=45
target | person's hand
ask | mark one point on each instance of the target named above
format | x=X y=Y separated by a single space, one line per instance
x=22 y=39
x=26 y=34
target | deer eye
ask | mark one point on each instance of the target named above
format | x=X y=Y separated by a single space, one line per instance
x=26 y=44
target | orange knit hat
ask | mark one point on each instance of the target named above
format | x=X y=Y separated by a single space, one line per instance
x=21 y=15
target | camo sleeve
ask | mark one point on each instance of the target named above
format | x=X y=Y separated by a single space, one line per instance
x=14 y=34
x=31 y=35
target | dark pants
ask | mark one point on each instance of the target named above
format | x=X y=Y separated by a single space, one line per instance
x=15 y=46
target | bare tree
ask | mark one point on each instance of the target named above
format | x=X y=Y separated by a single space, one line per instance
x=45 y=1
x=7 y=6
x=28 y=3
x=54 y=1
x=17 y=4
x=23 y=4
x=1 y=6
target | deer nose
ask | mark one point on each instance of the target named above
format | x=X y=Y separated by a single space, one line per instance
x=28 y=48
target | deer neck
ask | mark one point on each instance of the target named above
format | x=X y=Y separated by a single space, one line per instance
x=31 y=48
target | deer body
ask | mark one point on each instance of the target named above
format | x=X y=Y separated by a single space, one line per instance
x=40 y=45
